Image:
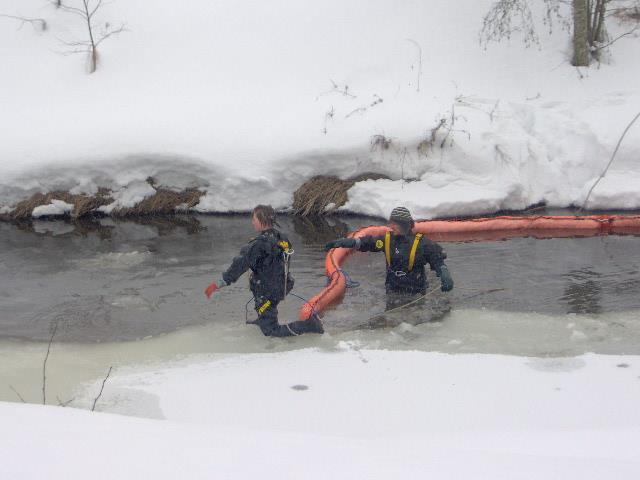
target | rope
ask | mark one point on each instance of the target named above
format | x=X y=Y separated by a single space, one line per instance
x=350 y=283
x=253 y=322
x=430 y=292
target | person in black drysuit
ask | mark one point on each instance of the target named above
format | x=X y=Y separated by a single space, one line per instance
x=406 y=254
x=265 y=256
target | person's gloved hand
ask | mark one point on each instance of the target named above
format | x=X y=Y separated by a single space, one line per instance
x=446 y=282
x=210 y=290
x=340 y=243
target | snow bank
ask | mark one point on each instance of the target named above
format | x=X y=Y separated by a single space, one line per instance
x=247 y=100
x=347 y=414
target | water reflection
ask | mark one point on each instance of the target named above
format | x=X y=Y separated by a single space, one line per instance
x=103 y=227
x=319 y=230
x=583 y=292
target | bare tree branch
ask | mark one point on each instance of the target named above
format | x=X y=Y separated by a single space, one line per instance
x=101 y=389
x=44 y=366
x=604 y=172
x=630 y=32
x=376 y=100
x=336 y=89
x=104 y=36
x=32 y=21
x=17 y=393
x=95 y=9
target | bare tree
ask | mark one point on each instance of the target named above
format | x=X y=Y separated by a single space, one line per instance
x=586 y=17
x=96 y=34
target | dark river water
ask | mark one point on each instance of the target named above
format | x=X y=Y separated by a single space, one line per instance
x=112 y=280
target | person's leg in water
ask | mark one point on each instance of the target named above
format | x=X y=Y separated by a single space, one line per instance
x=268 y=321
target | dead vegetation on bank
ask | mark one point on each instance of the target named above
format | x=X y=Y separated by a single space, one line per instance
x=82 y=204
x=323 y=194
x=163 y=202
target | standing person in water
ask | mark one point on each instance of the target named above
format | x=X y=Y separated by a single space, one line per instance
x=406 y=255
x=267 y=256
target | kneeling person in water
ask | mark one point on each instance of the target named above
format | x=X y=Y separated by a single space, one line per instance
x=406 y=255
x=267 y=257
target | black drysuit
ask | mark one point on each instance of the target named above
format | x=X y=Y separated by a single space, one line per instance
x=399 y=278
x=264 y=256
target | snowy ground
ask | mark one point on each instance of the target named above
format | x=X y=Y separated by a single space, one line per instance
x=236 y=98
x=346 y=414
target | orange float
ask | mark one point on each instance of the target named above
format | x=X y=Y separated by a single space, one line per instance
x=477 y=229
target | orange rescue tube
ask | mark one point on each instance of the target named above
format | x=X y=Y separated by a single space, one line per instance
x=477 y=229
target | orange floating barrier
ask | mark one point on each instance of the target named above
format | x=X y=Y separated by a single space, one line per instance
x=477 y=229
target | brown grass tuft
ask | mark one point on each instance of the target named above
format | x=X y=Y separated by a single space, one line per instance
x=163 y=202
x=83 y=204
x=313 y=196
x=25 y=208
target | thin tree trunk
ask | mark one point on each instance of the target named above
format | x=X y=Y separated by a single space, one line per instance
x=580 y=33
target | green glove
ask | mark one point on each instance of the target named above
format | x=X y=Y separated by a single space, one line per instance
x=446 y=282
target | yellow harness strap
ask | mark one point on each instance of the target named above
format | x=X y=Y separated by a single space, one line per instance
x=414 y=248
x=387 y=247
x=264 y=307
x=284 y=245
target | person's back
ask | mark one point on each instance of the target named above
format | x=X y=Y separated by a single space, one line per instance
x=267 y=256
x=268 y=259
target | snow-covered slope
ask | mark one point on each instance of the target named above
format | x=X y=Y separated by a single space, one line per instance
x=348 y=414
x=246 y=100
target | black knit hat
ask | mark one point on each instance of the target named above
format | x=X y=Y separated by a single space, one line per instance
x=401 y=215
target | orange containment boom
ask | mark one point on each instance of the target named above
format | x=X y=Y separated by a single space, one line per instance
x=477 y=229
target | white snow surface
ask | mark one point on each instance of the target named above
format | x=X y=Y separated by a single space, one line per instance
x=236 y=98
x=56 y=207
x=363 y=414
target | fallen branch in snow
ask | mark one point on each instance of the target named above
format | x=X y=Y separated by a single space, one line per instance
x=604 y=172
x=34 y=22
x=101 y=389
x=17 y=393
x=64 y=404
x=44 y=366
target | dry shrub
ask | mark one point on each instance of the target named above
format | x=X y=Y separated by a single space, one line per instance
x=380 y=142
x=163 y=202
x=313 y=196
x=25 y=208
x=83 y=204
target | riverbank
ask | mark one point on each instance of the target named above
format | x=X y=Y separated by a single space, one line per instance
x=385 y=414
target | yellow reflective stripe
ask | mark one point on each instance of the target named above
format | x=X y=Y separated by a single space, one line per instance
x=264 y=306
x=414 y=248
x=387 y=247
